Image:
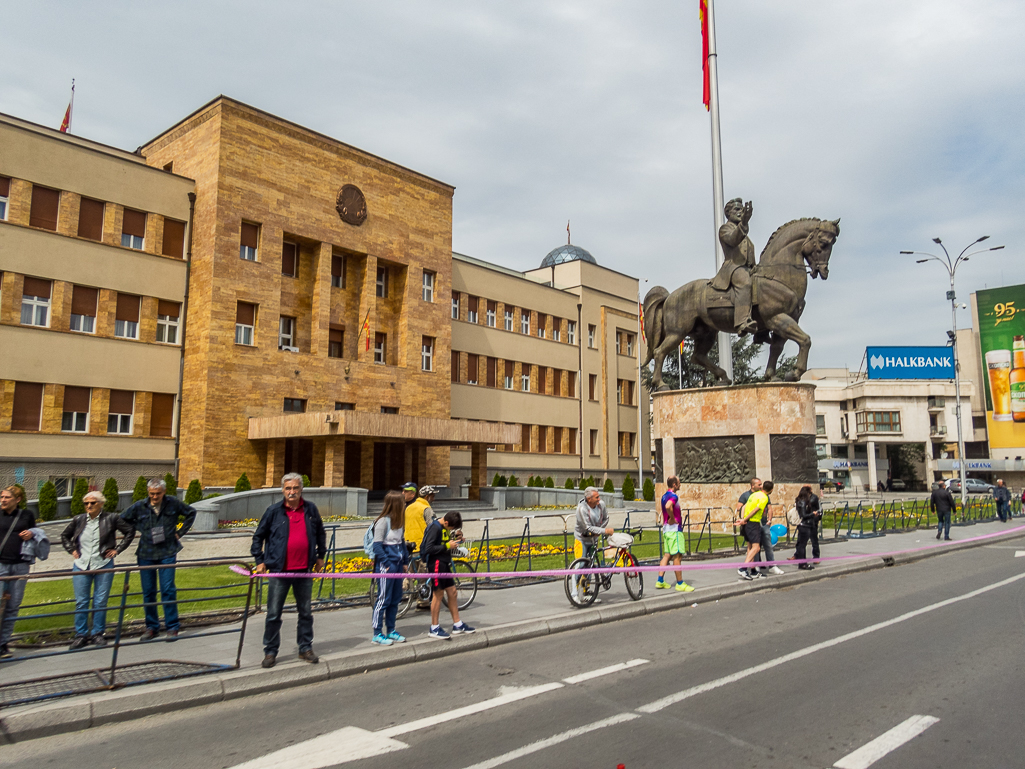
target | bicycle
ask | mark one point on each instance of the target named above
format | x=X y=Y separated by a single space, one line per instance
x=419 y=590
x=582 y=589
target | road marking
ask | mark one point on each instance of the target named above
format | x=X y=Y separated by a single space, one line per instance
x=871 y=752
x=534 y=747
x=672 y=699
x=1019 y=553
x=603 y=671
x=338 y=747
x=509 y=694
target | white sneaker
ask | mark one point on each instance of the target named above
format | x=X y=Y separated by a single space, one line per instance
x=776 y=570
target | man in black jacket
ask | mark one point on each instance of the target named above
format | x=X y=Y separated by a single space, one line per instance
x=440 y=539
x=289 y=538
x=942 y=503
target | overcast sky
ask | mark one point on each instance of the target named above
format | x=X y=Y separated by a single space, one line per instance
x=902 y=118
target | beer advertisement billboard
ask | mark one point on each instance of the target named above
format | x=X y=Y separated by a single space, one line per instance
x=1002 y=342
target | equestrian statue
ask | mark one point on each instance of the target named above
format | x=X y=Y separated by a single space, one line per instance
x=764 y=298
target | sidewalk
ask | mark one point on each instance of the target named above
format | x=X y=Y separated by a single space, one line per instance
x=342 y=636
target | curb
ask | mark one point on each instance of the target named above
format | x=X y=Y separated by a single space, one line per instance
x=29 y=722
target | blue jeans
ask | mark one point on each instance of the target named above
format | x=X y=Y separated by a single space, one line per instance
x=168 y=593
x=277 y=591
x=1003 y=511
x=14 y=590
x=943 y=526
x=766 y=545
x=97 y=588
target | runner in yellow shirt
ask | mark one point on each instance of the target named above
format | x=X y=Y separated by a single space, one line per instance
x=751 y=523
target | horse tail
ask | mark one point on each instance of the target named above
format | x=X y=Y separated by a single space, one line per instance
x=654 y=328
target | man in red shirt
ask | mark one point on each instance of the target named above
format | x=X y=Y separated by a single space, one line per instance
x=289 y=538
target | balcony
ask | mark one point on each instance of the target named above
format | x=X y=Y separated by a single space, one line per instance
x=938 y=432
x=935 y=403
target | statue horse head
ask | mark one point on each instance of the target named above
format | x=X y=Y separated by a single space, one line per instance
x=803 y=240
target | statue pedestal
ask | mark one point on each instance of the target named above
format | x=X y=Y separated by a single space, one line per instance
x=715 y=439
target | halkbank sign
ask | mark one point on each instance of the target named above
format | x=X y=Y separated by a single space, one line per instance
x=910 y=363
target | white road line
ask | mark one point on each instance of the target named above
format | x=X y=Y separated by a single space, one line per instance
x=469 y=710
x=603 y=671
x=672 y=699
x=338 y=747
x=869 y=753
x=1019 y=553
x=534 y=747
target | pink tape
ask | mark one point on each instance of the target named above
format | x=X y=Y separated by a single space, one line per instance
x=619 y=569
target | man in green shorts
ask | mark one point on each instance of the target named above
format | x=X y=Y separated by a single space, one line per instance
x=672 y=534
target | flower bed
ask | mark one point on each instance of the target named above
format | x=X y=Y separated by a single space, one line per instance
x=251 y=523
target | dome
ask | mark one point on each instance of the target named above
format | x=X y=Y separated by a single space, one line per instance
x=567 y=253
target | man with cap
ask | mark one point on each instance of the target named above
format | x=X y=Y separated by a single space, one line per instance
x=942 y=503
x=418 y=512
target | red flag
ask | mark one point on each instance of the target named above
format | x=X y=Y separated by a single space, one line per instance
x=706 y=96
x=366 y=330
x=66 y=122
x=640 y=317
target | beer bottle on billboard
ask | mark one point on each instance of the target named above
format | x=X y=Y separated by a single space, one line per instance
x=1017 y=380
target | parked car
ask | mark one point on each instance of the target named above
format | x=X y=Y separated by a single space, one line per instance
x=972 y=486
x=898 y=485
x=828 y=484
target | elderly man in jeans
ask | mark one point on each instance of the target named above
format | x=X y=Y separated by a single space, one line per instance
x=289 y=538
x=15 y=528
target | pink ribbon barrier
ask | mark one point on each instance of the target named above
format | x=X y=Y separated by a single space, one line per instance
x=621 y=569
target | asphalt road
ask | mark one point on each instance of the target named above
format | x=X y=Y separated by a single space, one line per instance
x=923 y=664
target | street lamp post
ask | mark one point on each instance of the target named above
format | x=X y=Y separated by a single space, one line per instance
x=951 y=267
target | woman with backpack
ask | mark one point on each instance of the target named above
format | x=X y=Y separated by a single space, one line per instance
x=807 y=505
x=390 y=557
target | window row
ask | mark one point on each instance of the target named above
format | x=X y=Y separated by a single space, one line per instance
x=86 y=314
x=95 y=221
x=299 y=406
x=877 y=421
x=545 y=439
x=123 y=412
x=624 y=340
x=473 y=369
x=474 y=309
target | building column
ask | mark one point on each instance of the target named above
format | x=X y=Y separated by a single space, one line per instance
x=318 y=470
x=366 y=464
x=334 y=462
x=275 y=462
x=478 y=469
x=873 y=474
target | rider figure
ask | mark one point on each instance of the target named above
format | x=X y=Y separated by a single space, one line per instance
x=739 y=254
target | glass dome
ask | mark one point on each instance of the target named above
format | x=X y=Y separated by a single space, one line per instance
x=567 y=253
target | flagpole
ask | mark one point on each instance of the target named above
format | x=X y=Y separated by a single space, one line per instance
x=725 y=347
x=71 y=109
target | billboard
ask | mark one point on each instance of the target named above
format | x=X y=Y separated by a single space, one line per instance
x=910 y=362
x=1002 y=344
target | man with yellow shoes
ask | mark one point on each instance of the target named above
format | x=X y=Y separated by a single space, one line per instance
x=673 y=541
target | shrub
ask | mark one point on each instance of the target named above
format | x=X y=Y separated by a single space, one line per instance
x=502 y=481
x=211 y=496
x=306 y=481
x=110 y=491
x=194 y=492
x=514 y=481
x=608 y=487
x=530 y=482
x=589 y=481
x=569 y=484
x=139 y=492
x=494 y=481
x=649 y=490
x=629 y=492
x=549 y=482
x=172 y=485
x=24 y=497
x=47 y=501
x=81 y=489
x=243 y=484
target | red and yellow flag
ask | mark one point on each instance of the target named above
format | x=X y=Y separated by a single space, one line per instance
x=366 y=330
x=66 y=122
x=640 y=317
x=706 y=97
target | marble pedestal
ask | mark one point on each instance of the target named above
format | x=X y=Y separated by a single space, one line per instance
x=715 y=439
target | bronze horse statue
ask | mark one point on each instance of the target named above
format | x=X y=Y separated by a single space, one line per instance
x=779 y=283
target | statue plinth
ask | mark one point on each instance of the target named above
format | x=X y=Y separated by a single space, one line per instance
x=715 y=439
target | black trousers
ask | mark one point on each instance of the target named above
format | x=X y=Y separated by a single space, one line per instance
x=804 y=533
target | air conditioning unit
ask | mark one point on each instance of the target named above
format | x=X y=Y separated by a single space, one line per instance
x=289 y=349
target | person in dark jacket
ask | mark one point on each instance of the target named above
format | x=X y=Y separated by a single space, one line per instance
x=440 y=539
x=1003 y=497
x=157 y=520
x=289 y=538
x=942 y=503
x=15 y=529
x=807 y=505
x=92 y=539
x=391 y=556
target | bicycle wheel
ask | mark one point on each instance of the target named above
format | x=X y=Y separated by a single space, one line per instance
x=581 y=589
x=634 y=579
x=466 y=584
x=411 y=587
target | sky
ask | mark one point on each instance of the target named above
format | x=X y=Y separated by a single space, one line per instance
x=903 y=118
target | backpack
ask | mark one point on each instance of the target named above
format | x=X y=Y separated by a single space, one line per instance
x=423 y=557
x=793 y=517
x=368 y=541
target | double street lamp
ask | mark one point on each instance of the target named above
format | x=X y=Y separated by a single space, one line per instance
x=951 y=266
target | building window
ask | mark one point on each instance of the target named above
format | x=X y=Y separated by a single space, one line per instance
x=133 y=229
x=629 y=348
x=626 y=444
x=525 y=438
x=173 y=244
x=455 y=305
x=594 y=443
x=542 y=439
x=525 y=322
x=455 y=367
x=126 y=317
x=161 y=415
x=592 y=387
x=820 y=424
x=168 y=314
x=472 y=304
x=491 y=367
x=119 y=415
x=557 y=329
x=27 y=406
x=248 y=241
x=509 y=374
x=571 y=384
x=289 y=259
x=542 y=380
x=525 y=378
x=590 y=335
x=90 y=219
x=382 y=282
x=245 y=323
x=472 y=368
x=340 y=406
x=5 y=193
x=571 y=440
x=427 y=292
x=295 y=405
x=336 y=343
x=35 y=303
x=45 y=204
x=337 y=271
x=286 y=334
x=508 y=320
x=556 y=440
x=83 y=309
x=571 y=331
x=878 y=421
x=492 y=314
x=75 y=418
x=624 y=343
x=389 y=409
x=380 y=348
x=624 y=392
x=427 y=353
x=542 y=321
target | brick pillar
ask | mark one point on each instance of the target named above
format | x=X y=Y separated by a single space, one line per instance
x=366 y=465
x=478 y=469
x=421 y=468
x=334 y=462
x=275 y=463
x=319 y=470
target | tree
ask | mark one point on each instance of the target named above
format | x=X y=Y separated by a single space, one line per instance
x=649 y=490
x=306 y=481
x=588 y=482
x=243 y=484
x=139 y=492
x=81 y=489
x=111 y=492
x=494 y=481
x=629 y=491
x=608 y=487
x=549 y=482
x=904 y=461
x=194 y=492
x=570 y=484
x=172 y=485
x=514 y=481
x=530 y=482
x=47 y=501
x=746 y=366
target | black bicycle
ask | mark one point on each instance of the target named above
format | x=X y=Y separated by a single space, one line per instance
x=582 y=589
x=416 y=588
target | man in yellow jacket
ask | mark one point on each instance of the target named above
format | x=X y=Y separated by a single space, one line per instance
x=418 y=512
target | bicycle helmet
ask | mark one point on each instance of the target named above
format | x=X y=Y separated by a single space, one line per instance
x=425 y=490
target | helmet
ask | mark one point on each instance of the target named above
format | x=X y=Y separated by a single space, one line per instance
x=425 y=490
